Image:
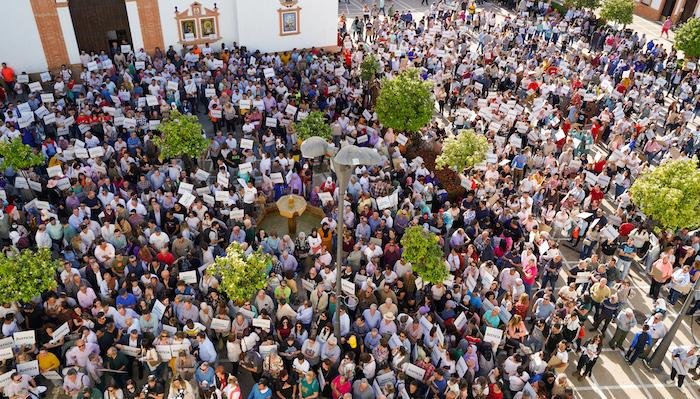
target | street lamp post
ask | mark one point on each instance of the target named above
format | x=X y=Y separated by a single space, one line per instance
x=654 y=362
x=344 y=160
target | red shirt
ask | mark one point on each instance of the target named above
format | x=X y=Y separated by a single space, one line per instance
x=596 y=194
x=167 y=258
x=625 y=229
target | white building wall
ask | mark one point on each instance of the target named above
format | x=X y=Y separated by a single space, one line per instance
x=21 y=47
x=258 y=25
x=69 y=35
x=227 y=20
x=132 y=13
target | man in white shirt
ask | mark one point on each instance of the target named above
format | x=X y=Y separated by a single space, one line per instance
x=158 y=239
x=250 y=194
x=43 y=240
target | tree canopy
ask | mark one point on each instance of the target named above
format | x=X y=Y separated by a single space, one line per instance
x=313 y=125
x=369 y=67
x=27 y=275
x=687 y=38
x=670 y=194
x=619 y=11
x=462 y=151
x=19 y=156
x=181 y=135
x=405 y=102
x=241 y=276
x=422 y=249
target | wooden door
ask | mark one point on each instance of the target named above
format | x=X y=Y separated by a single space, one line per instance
x=93 y=20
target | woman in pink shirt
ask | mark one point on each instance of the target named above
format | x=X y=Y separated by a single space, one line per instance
x=529 y=275
x=661 y=272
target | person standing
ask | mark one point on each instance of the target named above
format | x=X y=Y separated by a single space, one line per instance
x=591 y=350
x=639 y=344
x=8 y=76
x=661 y=272
x=684 y=359
x=625 y=322
x=666 y=27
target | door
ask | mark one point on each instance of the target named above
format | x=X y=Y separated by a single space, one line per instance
x=688 y=10
x=668 y=8
x=99 y=23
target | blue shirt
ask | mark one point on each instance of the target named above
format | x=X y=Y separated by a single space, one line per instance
x=519 y=161
x=207 y=353
x=256 y=394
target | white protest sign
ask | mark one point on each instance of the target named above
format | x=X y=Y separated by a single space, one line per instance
x=130 y=350
x=493 y=335
x=246 y=144
x=23 y=338
x=29 y=368
x=413 y=371
x=220 y=324
x=277 y=178
x=187 y=199
x=158 y=310
x=189 y=277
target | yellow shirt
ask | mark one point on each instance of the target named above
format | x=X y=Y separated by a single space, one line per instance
x=599 y=292
x=49 y=361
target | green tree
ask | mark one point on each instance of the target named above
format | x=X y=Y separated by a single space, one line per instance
x=181 y=136
x=27 y=274
x=369 y=67
x=405 y=103
x=619 y=11
x=670 y=194
x=19 y=156
x=583 y=4
x=422 y=249
x=313 y=125
x=687 y=38
x=241 y=276
x=462 y=151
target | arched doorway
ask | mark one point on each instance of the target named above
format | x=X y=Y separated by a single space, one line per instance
x=99 y=23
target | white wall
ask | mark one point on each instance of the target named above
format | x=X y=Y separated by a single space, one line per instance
x=655 y=4
x=258 y=25
x=21 y=47
x=69 y=35
x=227 y=20
x=132 y=12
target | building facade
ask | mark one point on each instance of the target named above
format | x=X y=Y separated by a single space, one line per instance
x=678 y=10
x=44 y=34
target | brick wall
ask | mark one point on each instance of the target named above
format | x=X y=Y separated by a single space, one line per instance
x=149 y=15
x=50 y=32
x=647 y=12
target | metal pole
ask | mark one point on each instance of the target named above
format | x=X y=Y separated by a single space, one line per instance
x=657 y=358
x=342 y=173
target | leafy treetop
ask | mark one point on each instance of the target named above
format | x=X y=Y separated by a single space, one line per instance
x=405 y=103
x=313 y=125
x=181 y=135
x=27 y=275
x=422 y=249
x=619 y=11
x=687 y=38
x=241 y=276
x=19 y=156
x=369 y=67
x=462 y=151
x=670 y=194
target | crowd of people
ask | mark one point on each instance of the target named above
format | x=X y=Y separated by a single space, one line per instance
x=573 y=111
